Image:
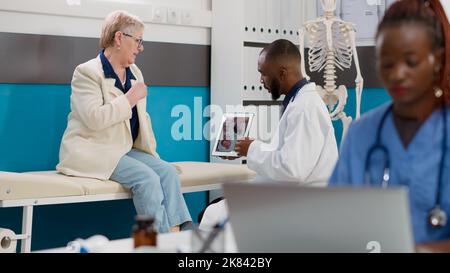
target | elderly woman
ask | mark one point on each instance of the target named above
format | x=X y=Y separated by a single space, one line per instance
x=109 y=133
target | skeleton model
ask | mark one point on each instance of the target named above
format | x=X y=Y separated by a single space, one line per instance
x=332 y=44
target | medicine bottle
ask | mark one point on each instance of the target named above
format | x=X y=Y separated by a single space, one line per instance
x=144 y=233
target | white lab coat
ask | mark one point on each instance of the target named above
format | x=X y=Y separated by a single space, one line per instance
x=303 y=149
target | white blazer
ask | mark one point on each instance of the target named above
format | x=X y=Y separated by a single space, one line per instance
x=303 y=149
x=98 y=130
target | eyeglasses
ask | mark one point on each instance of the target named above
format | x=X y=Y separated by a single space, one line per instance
x=138 y=40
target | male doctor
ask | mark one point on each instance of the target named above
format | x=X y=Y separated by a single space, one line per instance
x=303 y=149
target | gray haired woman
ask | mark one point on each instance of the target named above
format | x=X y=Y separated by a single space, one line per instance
x=109 y=133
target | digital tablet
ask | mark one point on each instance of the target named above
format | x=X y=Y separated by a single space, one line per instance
x=234 y=126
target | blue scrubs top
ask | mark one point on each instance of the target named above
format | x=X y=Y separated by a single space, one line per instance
x=416 y=167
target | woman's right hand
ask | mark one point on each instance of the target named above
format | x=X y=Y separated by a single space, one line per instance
x=137 y=92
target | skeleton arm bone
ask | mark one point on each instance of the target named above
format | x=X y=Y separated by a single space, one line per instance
x=359 y=79
x=302 y=52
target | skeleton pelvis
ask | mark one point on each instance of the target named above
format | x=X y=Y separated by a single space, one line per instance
x=334 y=99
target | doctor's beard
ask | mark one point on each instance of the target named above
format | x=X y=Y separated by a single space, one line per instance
x=275 y=89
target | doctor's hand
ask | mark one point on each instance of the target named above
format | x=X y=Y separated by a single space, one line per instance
x=137 y=92
x=229 y=157
x=242 y=145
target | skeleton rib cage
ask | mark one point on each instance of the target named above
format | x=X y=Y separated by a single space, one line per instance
x=332 y=46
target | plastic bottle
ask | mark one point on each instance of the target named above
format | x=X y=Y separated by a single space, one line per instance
x=144 y=233
x=89 y=245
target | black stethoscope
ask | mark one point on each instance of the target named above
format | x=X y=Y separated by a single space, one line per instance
x=436 y=217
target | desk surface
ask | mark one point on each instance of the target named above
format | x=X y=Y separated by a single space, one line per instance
x=167 y=242
x=180 y=242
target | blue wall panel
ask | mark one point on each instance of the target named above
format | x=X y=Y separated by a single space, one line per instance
x=161 y=100
x=371 y=98
x=32 y=121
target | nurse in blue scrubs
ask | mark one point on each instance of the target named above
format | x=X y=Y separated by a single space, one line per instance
x=407 y=141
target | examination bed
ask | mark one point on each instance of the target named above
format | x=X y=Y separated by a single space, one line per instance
x=49 y=187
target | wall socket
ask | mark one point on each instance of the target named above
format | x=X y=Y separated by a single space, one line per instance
x=186 y=17
x=159 y=15
x=173 y=16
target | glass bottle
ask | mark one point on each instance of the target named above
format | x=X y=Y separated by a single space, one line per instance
x=144 y=233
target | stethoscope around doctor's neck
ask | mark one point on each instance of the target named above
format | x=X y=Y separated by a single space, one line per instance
x=436 y=217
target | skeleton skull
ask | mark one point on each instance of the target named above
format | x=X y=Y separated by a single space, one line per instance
x=328 y=5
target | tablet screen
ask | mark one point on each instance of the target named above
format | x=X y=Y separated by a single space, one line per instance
x=234 y=126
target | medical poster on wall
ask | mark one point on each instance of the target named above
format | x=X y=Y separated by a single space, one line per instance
x=389 y=2
x=365 y=14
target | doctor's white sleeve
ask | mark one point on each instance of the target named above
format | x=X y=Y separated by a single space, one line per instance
x=304 y=141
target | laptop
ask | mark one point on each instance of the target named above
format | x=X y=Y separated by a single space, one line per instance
x=290 y=218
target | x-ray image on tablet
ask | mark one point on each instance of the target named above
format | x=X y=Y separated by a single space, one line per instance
x=234 y=126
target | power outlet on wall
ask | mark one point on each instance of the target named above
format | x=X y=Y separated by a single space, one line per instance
x=159 y=15
x=173 y=16
x=186 y=17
